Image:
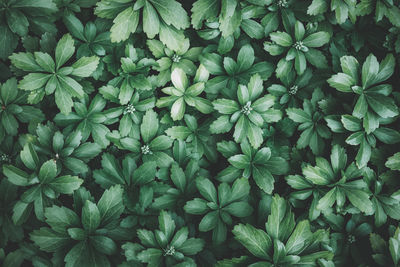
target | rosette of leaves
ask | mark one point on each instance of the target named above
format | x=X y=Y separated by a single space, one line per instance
x=228 y=19
x=361 y=137
x=68 y=151
x=165 y=246
x=229 y=73
x=339 y=181
x=285 y=242
x=136 y=180
x=93 y=39
x=386 y=204
x=42 y=184
x=8 y=230
x=373 y=101
x=344 y=9
x=218 y=207
x=14 y=109
x=197 y=137
x=87 y=239
x=182 y=187
x=310 y=120
x=181 y=94
x=90 y=119
x=386 y=253
x=149 y=144
x=259 y=164
x=48 y=76
x=133 y=111
x=300 y=46
x=382 y=8
x=248 y=113
x=164 y=17
x=18 y=17
x=290 y=92
x=348 y=238
x=134 y=72
x=167 y=59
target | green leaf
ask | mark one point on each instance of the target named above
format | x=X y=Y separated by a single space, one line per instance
x=151 y=22
x=48 y=171
x=63 y=100
x=85 y=66
x=298 y=115
x=90 y=216
x=206 y=189
x=64 y=50
x=393 y=162
x=202 y=10
x=124 y=24
x=370 y=69
x=110 y=204
x=209 y=221
x=149 y=126
x=317 y=7
x=145 y=173
x=298 y=239
x=256 y=241
x=342 y=82
x=382 y=105
x=263 y=178
x=281 y=38
x=15 y=175
x=172 y=13
x=167 y=225
x=225 y=106
x=66 y=184
x=29 y=157
x=317 y=39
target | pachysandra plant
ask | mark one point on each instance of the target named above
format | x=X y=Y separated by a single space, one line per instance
x=197 y=137
x=90 y=119
x=300 y=46
x=165 y=17
x=182 y=94
x=338 y=182
x=199 y=133
x=343 y=9
x=149 y=144
x=311 y=124
x=218 y=207
x=165 y=246
x=259 y=164
x=86 y=239
x=20 y=17
x=373 y=101
x=48 y=76
x=284 y=242
x=42 y=182
x=133 y=74
x=14 y=109
x=229 y=73
x=248 y=113
x=69 y=152
x=167 y=59
x=361 y=137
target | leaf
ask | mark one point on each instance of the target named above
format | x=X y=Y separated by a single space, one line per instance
x=298 y=115
x=393 y=162
x=299 y=238
x=124 y=24
x=145 y=173
x=202 y=10
x=206 y=189
x=342 y=82
x=90 y=216
x=151 y=22
x=48 y=171
x=317 y=39
x=63 y=100
x=64 y=50
x=66 y=184
x=85 y=66
x=149 y=126
x=370 y=69
x=317 y=7
x=110 y=204
x=167 y=225
x=256 y=241
x=281 y=38
x=172 y=13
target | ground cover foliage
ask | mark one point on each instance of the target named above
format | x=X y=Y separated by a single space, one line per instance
x=199 y=133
